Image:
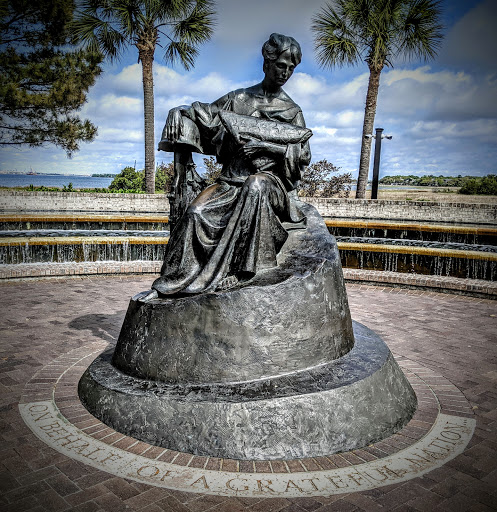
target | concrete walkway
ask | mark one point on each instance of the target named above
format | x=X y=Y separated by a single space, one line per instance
x=456 y=336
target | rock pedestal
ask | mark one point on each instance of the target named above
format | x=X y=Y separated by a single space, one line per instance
x=273 y=368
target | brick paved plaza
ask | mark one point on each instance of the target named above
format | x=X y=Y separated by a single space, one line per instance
x=42 y=320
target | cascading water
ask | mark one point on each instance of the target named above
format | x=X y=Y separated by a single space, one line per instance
x=467 y=252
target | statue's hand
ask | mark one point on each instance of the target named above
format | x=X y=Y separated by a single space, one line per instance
x=174 y=124
x=253 y=148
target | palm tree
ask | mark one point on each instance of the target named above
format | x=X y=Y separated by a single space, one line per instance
x=110 y=26
x=375 y=31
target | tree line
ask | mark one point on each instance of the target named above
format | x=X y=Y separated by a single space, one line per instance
x=486 y=185
x=320 y=179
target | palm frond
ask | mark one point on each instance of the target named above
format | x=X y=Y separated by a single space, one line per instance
x=335 y=43
x=108 y=25
x=196 y=28
x=98 y=35
x=169 y=9
x=357 y=12
x=127 y=14
x=421 y=31
x=181 y=51
x=378 y=29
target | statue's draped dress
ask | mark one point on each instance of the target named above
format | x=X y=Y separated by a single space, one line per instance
x=237 y=225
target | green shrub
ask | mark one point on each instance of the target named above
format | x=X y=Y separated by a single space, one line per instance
x=212 y=170
x=317 y=181
x=164 y=177
x=131 y=181
x=128 y=180
x=487 y=185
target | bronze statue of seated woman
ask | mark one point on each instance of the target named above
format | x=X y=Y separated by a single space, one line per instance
x=236 y=227
x=275 y=368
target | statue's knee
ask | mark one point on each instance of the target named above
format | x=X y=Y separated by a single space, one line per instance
x=194 y=210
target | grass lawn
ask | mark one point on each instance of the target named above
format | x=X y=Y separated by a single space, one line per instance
x=439 y=195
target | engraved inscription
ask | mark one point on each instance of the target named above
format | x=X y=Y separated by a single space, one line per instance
x=447 y=438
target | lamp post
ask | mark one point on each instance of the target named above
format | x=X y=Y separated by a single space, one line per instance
x=376 y=164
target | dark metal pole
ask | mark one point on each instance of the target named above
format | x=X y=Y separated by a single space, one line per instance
x=376 y=164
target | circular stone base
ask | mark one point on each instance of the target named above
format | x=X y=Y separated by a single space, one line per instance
x=348 y=403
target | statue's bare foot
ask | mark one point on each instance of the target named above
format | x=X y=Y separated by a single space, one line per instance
x=226 y=283
x=152 y=294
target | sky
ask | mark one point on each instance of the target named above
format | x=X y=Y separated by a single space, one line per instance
x=442 y=114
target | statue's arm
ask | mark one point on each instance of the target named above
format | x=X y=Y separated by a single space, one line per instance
x=278 y=151
x=199 y=113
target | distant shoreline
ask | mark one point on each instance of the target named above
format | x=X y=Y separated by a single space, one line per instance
x=101 y=175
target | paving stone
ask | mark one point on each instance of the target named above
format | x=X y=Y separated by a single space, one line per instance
x=452 y=335
x=62 y=485
x=121 y=488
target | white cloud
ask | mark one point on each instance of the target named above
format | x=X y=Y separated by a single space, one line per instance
x=437 y=94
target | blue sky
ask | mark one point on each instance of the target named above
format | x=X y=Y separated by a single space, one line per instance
x=442 y=114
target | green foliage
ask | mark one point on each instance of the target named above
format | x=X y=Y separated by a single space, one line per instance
x=44 y=82
x=481 y=186
x=317 y=181
x=69 y=188
x=32 y=188
x=212 y=170
x=164 y=177
x=129 y=180
x=468 y=183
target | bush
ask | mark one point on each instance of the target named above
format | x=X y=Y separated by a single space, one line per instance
x=131 y=181
x=128 y=180
x=480 y=186
x=164 y=177
x=317 y=181
x=212 y=170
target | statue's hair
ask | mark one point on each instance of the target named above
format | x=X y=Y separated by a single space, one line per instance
x=277 y=44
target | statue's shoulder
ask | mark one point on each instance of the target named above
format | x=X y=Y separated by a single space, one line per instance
x=285 y=98
x=245 y=93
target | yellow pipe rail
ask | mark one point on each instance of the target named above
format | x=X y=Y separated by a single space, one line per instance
x=436 y=228
x=73 y=240
x=424 y=251
x=134 y=217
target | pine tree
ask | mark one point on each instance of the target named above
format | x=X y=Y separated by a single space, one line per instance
x=44 y=80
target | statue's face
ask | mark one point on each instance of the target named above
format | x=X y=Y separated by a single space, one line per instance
x=279 y=71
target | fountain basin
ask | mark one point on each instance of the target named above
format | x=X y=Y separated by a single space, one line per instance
x=440 y=249
x=465 y=234
x=36 y=220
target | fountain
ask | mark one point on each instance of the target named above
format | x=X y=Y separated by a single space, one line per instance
x=422 y=248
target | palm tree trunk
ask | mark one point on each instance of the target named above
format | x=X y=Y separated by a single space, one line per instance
x=367 y=129
x=147 y=60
